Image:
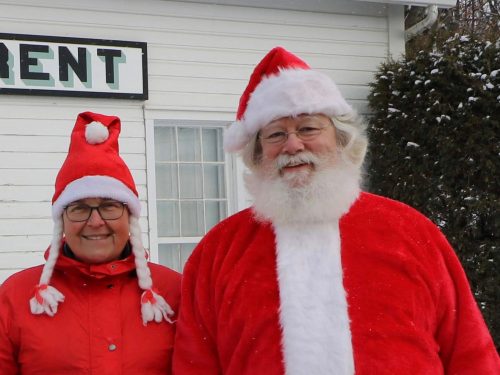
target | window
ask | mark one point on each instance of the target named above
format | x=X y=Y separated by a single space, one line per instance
x=191 y=189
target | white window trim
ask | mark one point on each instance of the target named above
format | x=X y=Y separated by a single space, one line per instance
x=231 y=172
x=151 y=189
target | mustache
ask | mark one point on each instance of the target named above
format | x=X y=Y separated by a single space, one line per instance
x=305 y=157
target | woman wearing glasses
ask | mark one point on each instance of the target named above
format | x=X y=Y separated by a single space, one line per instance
x=96 y=306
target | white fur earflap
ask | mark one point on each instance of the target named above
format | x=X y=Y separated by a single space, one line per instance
x=95 y=133
x=290 y=93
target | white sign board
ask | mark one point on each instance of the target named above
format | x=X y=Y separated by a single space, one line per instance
x=48 y=65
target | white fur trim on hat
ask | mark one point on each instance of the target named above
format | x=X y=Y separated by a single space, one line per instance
x=96 y=187
x=236 y=136
x=291 y=93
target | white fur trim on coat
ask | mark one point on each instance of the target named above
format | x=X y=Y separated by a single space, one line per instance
x=291 y=93
x=96 y=187
x=313 y=307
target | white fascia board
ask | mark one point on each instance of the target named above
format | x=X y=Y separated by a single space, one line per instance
x=439 y=3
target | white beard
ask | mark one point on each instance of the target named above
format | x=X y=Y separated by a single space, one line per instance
x=323 y=196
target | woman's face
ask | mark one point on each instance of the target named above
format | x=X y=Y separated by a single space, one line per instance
x=96 y=240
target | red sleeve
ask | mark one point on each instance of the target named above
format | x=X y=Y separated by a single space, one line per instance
x=195 y=350
x=466 y=346
x=8 y=349
x=416 y=282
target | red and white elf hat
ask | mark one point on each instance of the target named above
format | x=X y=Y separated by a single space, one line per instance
x=93 y=168
x=282 y=85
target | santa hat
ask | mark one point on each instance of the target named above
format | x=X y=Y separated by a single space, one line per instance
x=282 y=85
x=93 y=168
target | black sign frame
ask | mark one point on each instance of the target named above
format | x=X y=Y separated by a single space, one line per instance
x=83 y=41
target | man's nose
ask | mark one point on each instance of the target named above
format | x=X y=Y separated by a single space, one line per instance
x=293 y=144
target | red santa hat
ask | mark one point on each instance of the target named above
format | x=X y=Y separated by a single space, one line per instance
x=93 y=168
x=282 y=85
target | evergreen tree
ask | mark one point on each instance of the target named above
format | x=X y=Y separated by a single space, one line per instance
x=435 y=135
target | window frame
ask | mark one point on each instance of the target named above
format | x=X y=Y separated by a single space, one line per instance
x=229 y=172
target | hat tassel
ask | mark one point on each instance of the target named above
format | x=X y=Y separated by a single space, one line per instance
x=153 y=306
x=46 y=298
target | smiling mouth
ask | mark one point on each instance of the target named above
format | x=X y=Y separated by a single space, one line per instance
x=96 y=237
x=297 y=165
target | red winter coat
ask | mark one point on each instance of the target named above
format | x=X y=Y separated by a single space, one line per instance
x=98 y=328
x=410 y=309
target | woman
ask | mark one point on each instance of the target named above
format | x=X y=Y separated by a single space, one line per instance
x=91 y=302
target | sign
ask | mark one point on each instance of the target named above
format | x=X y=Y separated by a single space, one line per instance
x=61 y=66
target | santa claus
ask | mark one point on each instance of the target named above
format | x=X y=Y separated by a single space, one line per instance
x=318 y=277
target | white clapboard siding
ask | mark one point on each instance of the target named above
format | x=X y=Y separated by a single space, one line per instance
x=198 y=85
x=35 y=177
x=221 y=72
x=200 y=55
x=331 y=41
x=60 y=127
x=156 y=14
x=26 y=243
x=24 y=259
x=26 y=160
x=217 y=102
x=66 y=108
x=28 y=143
x=21 y=193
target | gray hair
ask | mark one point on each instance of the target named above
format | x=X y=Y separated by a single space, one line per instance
x=350 y=131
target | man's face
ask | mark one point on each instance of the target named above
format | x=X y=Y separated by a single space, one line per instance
x=295 y=157
x=96 y=240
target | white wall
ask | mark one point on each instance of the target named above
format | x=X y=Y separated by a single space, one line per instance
x=200 y=56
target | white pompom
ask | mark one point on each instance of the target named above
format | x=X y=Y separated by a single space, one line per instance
x=95 y=133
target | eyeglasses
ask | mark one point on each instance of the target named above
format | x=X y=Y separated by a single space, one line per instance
x=304 y=133
x=108 y=210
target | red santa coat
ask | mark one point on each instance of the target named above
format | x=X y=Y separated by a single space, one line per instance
x=396 y=302
x=97 y=330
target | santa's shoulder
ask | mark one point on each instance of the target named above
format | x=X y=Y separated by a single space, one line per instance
x=242 y=221
x=229 y=241
x=381 y=225
x=372 y=208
